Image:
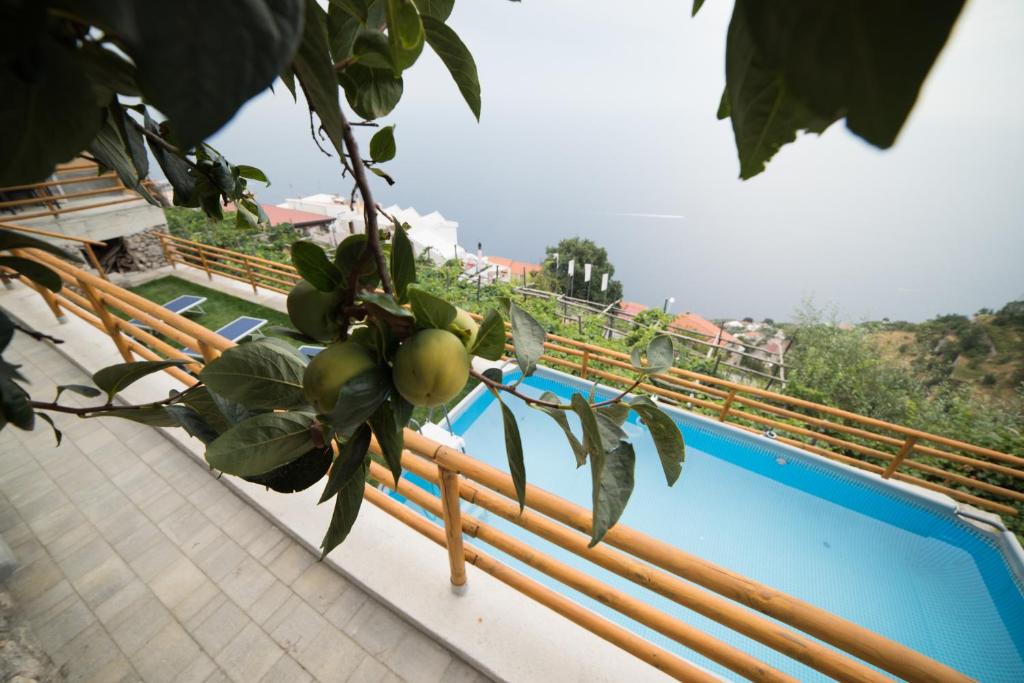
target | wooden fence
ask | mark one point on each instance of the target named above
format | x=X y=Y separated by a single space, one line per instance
x=825 y=642
x=971 y=474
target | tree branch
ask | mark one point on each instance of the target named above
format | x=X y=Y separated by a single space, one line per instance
x=38 y=336
x=108 y=408
x=369 y=206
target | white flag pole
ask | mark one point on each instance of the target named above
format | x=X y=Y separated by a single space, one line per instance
x=604 y=282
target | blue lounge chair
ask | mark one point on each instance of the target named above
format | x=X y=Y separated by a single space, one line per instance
x=180 y=305
x=310 y=351
x=237 y=329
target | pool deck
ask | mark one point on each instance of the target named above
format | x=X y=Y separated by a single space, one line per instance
x=138 y=564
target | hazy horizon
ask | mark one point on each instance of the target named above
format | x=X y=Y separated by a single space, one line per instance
x=602 y=124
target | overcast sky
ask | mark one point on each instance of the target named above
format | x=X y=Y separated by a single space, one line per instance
x=599 y=120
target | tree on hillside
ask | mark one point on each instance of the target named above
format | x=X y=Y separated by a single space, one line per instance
x=581 y=251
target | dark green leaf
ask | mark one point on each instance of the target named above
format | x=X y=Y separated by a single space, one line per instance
x=6 y=330
x=390 y=436
x=697 y=4
x=358 y=399
x=495 y=375
x=456 y=56
x=372 y=49
x=490 y=338
x=438 y=9
x=616 y=412
x=349 y=255
x=382 y=145
x=355 y=8
x=666 y=435
x=57 y=434
x=14 y=406
x=528 y=337
x=81 y=389
x=176 y=170
x=291 y=334
x=108 y=72
x=299 y=474
x=346 y=510
x=34 y=270
x=562 y=420
x=405 y=33
x=594 y=447
x=351 y=459
x=315 y=71
x=660 y=354
x=616 y=488
x=371 y=92
x=723 y=105
x=259 y=374
x=49 y=112
x=381 y=174
x=193 y=423
x=312 y=263
x=261 y=443
x=385 y=302
x=132 y=138
x=514 y=452
x=342 y=29
x=403 y=263
x=111 y=149
x=208 y=407
x=154 y=416
x=115 y=378
x=10 y=239
x=430 y=311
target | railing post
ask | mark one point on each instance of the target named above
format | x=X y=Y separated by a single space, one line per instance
x=908 y=446
x=202 y=257
x=95 y=261
x=248 y=271
x=167 y=252
x=584 y=366
x=107 y=319
x=727 y=406
x=453 y=527
x=210 y=354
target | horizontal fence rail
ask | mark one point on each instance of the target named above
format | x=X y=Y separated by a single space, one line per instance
x=827 y=643
x=971 y=474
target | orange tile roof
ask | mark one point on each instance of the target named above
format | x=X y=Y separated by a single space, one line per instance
x=703 y=326
x=631 y=307
x=516 y=267
x=300 y=219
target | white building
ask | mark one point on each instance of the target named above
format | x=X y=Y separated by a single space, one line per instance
x=431 y=233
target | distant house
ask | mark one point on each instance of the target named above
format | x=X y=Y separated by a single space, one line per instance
x=704 y=327
x=299 y=219
x=631 y=308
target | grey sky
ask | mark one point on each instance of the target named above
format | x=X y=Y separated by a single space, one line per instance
x=599 y=120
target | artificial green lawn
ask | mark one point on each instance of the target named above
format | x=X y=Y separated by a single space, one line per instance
x=220 y=308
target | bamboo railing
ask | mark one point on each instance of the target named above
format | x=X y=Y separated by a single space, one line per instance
x=892 y=451
x=825 y=642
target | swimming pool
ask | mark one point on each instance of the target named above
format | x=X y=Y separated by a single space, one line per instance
x=892 y=559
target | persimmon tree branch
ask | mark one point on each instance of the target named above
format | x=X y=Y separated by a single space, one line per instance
x=108 y=408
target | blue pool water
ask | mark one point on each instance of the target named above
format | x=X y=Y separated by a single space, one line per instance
x=861 y=550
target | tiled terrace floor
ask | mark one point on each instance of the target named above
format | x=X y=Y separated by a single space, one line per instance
x=137 y=564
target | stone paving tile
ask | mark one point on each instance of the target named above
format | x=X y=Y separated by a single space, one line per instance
x=137 y=564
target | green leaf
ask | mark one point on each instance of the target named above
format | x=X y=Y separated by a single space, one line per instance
x=350 y=460
x=342 y=29
x=456 y=56
x=660 y=354
x=110 y=149
x=34 y=270
x=132 y=138
x=178 y=173
x=490 y=337
x=385 y=302
x=430 y=311
x=9 y=239
x=192 y=422
x=381 y=174
x=252 y=173
x=371 y=92
x=438 y=9
x=390 y=436
x=358 y=9
x=617 y=479
x=403 y=262
x=595 y=451
x=154 y=416
x=49 y=112
x=108 y=72
x=358 y=399
x=233 y=51
x=723 y=105
x=81 y=389
x=405 y=33
x=315 y=71
x=382 y=145
x=115 y=378
x=261 y=443
x=697 y=4
x=346 y=510
x=57 y=434
x=616 y=412
x=495 y=375
x=514 y=451
x=203 y=402
x=666 y=435
x=562 y=420
x=314 y=267
x=299 y=474
x=258 y=374
x=14 y=406
x=6 y=330
x=371 y=48
x=528 y=337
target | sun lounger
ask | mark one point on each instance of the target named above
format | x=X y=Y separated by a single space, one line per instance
x=237 y=329
x=180 y=305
